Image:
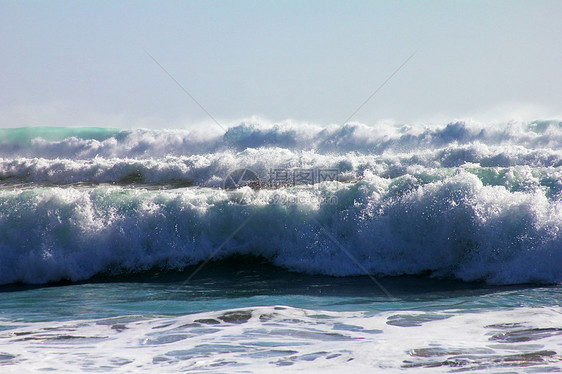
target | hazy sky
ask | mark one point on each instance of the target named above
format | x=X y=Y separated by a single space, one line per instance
x=84 y=63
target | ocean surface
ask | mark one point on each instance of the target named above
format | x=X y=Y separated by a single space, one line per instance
x=282 y=247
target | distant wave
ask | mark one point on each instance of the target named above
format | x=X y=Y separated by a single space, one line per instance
x=464 y=200
x=190 y=158
x=87 y=143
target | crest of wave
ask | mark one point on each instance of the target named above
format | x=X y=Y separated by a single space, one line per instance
x=292 y=135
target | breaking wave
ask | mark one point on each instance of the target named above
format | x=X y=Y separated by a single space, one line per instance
x=465 y=200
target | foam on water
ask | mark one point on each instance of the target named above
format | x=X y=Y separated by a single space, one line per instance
x=280 y=338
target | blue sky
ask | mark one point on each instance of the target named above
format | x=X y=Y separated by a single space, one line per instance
x=77 y=63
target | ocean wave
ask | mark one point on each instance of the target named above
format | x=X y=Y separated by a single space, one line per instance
x=515 y=169
x=88 y=143
x=464 y=200
x=61 y=156
x=453 y=226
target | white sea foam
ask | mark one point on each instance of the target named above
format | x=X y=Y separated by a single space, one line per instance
x=281 y=339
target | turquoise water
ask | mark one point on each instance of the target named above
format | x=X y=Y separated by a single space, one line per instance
x=24 y=135
x=239 y=285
